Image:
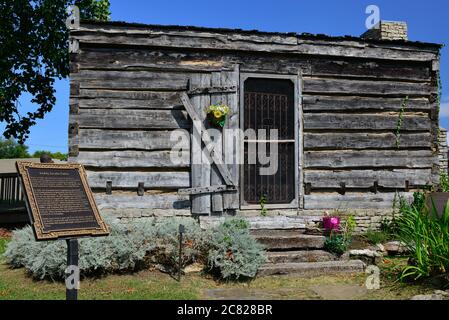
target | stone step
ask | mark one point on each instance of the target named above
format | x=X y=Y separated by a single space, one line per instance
x=312 y=268
x=299 y=256
x=276 y=232
x=290 y=241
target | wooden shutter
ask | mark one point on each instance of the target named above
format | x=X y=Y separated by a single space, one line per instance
x=214 y=185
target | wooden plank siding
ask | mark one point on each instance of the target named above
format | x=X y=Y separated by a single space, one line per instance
x=126 y=83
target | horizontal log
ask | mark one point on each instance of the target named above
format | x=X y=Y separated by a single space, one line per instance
x=141 y=59
x=376 y=69
x=155 y=100
x=329 y=121
x=369 y=158
x=130 y=179
x=129 y=159
x=359 y=141
x=169 y=59
x=321 y=201
x=365 y=178
x=142 y=80
x=233 y=40
x=138 y=140
x=147 y=201
x=122 y=94
x=131 y=119
x=352 y=103
x=364 y=87
x=185 y=39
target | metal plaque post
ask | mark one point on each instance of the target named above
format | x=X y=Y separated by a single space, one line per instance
x=72 y=261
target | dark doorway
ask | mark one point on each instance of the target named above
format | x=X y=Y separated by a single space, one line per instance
x=269 y=104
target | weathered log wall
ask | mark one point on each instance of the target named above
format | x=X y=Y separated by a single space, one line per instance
x=126 y=82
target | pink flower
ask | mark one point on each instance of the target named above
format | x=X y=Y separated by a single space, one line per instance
x=335 y=221
x=331 y=223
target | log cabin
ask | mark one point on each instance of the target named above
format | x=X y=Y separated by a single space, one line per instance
x=357 y=120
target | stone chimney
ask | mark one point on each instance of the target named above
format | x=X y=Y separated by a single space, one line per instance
x=387 y=30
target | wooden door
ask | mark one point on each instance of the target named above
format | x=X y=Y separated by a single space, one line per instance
x=216 y=193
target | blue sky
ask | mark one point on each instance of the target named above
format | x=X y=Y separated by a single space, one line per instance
x=427 y=21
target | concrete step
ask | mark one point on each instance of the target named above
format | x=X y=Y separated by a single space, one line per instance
x=312 y=268
x=290 y=241
x=299 y=256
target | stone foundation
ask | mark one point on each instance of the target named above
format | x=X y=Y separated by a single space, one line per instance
x=442 y=151
x=366 y=219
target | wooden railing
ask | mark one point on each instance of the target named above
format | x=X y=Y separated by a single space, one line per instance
x=10 y=191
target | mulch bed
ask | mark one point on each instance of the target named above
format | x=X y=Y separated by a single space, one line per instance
x=5 y=233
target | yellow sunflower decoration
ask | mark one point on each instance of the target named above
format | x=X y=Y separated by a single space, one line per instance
x=217 y=114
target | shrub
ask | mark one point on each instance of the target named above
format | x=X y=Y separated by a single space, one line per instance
x=375 y=237
x=3 y=243
x=129 y=247
x=166 y=236
x=234 y=253
x=228 y=249
x=336 y=243
x=426 y=235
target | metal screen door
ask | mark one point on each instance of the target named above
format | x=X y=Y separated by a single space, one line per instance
x=269 y=104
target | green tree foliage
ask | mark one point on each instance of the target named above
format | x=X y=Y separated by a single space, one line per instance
x=10 y=149
x=94 y=9
x=54 y=155
x=34 y=52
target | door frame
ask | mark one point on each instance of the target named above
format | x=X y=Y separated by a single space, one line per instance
x=297 y=203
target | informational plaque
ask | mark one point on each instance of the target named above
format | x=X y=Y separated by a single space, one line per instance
x=59 y=200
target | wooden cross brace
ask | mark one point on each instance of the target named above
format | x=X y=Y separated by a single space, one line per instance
x=199 y=127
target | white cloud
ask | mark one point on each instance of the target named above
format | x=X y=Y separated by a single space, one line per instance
x=444 y=109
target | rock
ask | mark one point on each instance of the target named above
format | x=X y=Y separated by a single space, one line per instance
x=442 y=293
x=380 y=247
x=366 y=255
x=395 y=248
x=427 y=297
x=194 y=268
x=345 y=256
x=377 y=248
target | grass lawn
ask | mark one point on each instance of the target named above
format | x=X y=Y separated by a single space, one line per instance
x=15 y=284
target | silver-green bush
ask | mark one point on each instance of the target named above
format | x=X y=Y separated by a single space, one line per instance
x=129 y=247
x=229 y=249
x=234 y=253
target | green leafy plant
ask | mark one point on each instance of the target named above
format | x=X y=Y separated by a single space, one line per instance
x=400 y=120
x=338 y=241
x=426 y=236
x=262 y=203
x=375 y=237
x=234 y=253
x=444 y=182
x=3 y=243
